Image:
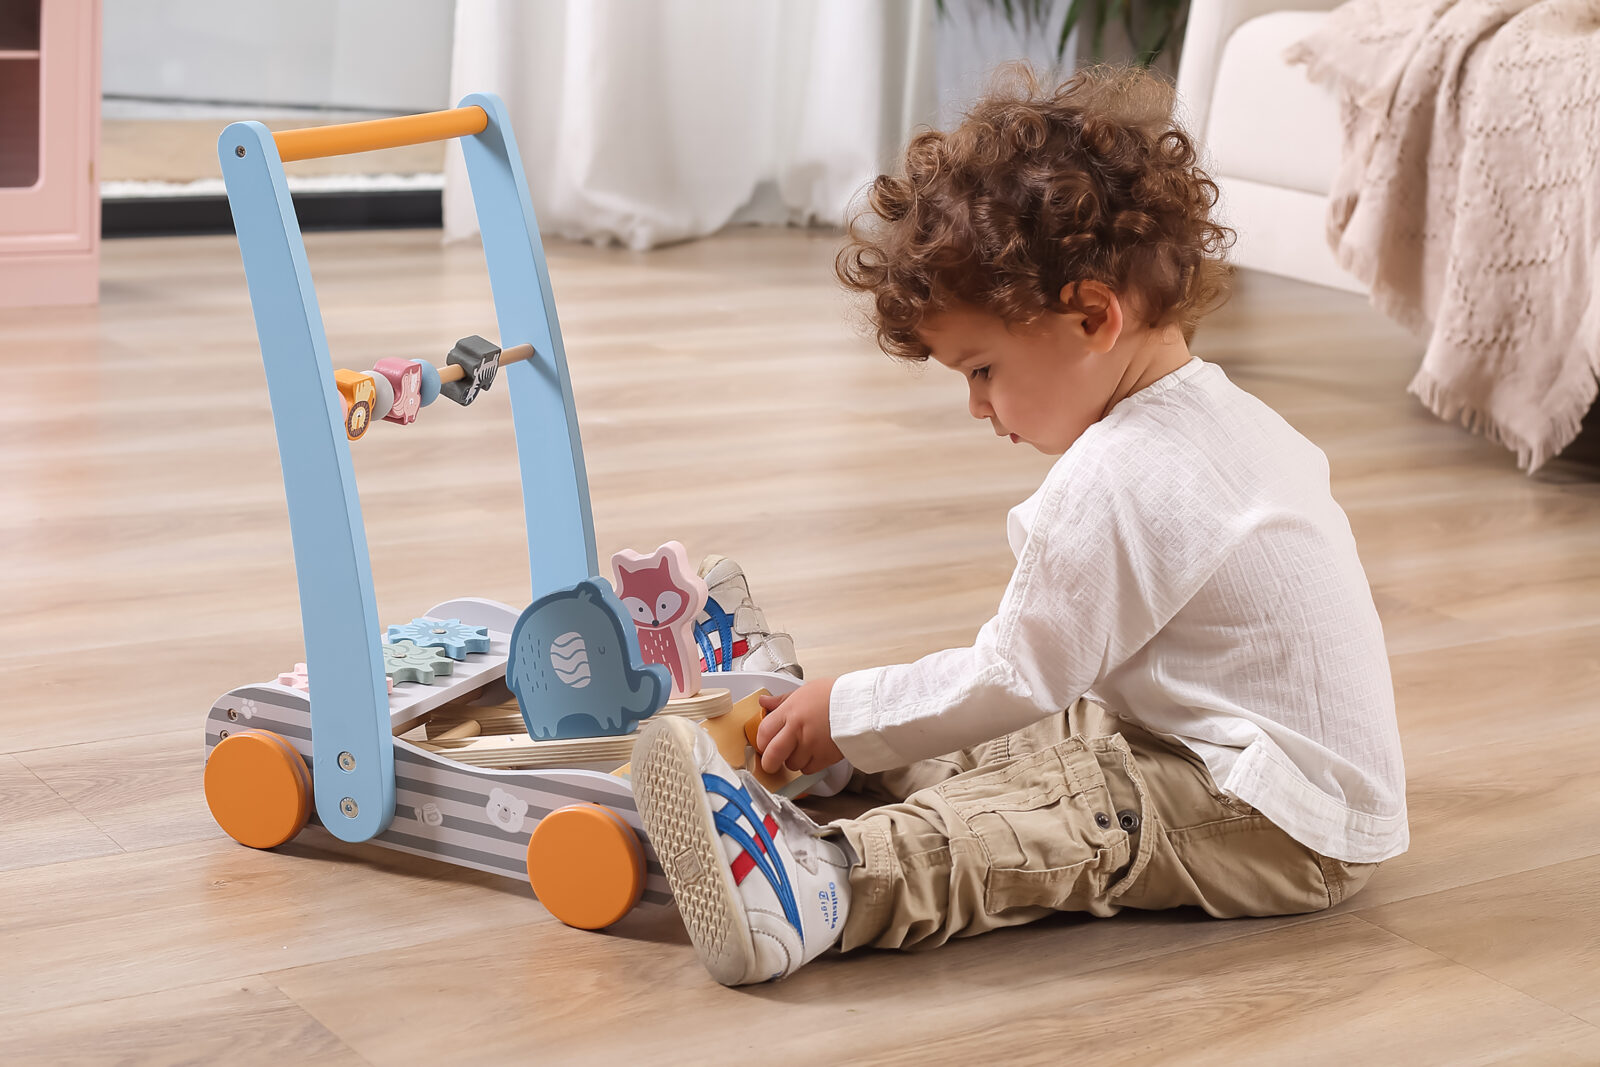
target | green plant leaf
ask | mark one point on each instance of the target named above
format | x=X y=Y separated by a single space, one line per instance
x=1148 y=54
x=1150 y=24
x=1074 y=9
x=1097 y=41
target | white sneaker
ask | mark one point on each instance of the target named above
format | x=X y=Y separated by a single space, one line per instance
x=760 y=892
x=731 y=631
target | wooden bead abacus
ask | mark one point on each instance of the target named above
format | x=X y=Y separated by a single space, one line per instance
x=396 y=389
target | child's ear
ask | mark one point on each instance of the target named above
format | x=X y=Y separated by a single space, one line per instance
x=1098 y=309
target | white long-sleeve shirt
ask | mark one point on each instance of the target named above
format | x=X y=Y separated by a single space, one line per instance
x=1185 y=565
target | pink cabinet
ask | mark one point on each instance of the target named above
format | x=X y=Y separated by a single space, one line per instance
x=49 y=145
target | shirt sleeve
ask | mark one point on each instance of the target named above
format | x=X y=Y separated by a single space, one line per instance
x=1114 y=551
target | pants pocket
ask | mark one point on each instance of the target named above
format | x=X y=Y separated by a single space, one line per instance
x=1045 y=829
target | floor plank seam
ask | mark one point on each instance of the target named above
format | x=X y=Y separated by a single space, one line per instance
x=69 y=1005
x=174 y=733
x=385 y=950
x=266 y=976
x=1438 y=889
x=212 y=984
x=1459 y=963
x=101 y=830
x=1510 y=634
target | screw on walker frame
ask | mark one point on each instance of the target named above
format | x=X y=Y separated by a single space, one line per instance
x=478 y=791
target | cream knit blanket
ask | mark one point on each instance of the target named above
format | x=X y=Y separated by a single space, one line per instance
x=1468 y=199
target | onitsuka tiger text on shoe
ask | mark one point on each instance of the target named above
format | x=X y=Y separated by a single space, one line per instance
x=760 y=892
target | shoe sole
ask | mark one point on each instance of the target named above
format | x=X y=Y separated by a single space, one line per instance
x=677 y=818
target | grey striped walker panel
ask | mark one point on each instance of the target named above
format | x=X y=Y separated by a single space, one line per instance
x=468 y=816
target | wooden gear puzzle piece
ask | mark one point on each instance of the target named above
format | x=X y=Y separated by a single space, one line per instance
x=663 y=596
x=449 y=636
x=405 y=662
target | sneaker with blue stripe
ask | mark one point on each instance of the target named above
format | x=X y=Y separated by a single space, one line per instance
x=759 y=888
x=731 y=631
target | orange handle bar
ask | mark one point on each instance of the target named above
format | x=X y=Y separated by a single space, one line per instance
x=316 y=141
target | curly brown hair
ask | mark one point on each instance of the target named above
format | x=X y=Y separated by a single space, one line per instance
x=1035 y=190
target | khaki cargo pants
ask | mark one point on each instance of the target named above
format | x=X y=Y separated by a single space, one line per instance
x=1081 y=812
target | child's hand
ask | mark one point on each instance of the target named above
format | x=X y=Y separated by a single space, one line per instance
x=795 y=731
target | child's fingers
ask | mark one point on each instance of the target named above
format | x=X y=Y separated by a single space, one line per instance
x=771 y=700
x=768 y=728
x=816 y=763
x=778 y=749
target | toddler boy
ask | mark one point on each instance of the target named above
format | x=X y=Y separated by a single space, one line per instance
x=1184 y=697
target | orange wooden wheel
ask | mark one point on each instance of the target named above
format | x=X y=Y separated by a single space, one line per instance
x=258 y=788
x=586 y=865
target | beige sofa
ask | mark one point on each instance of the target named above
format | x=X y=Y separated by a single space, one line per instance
x=1271 y=137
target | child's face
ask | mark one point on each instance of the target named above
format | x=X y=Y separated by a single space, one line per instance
x=1042 y=383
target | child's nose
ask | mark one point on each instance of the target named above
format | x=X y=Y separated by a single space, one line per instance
x=978 y=405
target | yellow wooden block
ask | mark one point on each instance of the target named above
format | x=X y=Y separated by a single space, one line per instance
x=729 y=732
x=734 y=732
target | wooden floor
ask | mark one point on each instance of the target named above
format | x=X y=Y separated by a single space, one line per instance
x=145 y=568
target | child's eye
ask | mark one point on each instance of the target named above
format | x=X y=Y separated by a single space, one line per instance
x=979 y=372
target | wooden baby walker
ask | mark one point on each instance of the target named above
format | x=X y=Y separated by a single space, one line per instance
x=516 y=722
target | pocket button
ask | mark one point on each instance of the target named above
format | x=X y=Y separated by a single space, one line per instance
x=1128 y=820
x=1102 y=820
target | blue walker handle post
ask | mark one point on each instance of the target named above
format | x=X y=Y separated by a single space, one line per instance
x=352 y=742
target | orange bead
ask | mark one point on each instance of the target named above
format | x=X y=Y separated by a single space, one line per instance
x=586 y=865
x=258 y=788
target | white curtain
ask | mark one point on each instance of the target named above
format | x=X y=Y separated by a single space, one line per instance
x=652 y=121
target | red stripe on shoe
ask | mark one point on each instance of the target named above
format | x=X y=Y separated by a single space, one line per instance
x=745 y=863
x=740 y=648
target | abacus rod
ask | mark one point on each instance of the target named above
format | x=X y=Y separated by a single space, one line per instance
x=515 y=354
